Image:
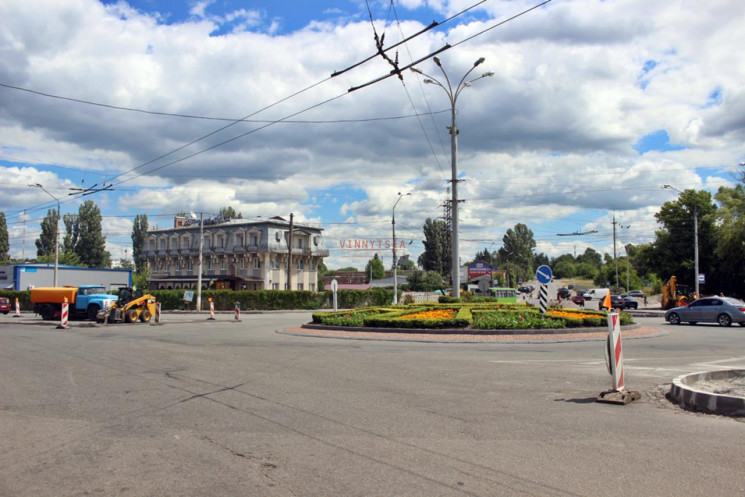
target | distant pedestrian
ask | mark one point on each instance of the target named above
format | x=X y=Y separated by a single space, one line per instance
x=645 y=300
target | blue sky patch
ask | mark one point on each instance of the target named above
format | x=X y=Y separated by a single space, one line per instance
x=658 y=141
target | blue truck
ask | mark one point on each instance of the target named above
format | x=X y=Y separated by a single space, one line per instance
x=84 y=301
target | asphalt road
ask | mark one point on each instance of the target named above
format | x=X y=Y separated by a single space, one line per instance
x=237 y=409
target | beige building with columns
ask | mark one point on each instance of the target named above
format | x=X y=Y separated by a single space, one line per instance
x=237 y=254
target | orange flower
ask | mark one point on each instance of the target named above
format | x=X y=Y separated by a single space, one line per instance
x=434 y=314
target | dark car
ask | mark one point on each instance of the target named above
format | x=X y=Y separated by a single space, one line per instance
x=579 y=300
x=635 y=293
x=629 y=303
x=524 y=289
x=722 y=310
x=4 y=305
x=563 y=293
x=616 y=302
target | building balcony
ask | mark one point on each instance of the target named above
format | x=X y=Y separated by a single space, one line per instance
x=239 y=249
x=252 y=248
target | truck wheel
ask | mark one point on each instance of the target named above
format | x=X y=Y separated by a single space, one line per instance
x=92 y=312
x=145 y=316
x=47 y=312
x=131 y=316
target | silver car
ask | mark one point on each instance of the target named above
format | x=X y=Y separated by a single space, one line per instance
x=722 y=310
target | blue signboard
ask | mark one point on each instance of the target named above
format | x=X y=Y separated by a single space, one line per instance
x=543 y=274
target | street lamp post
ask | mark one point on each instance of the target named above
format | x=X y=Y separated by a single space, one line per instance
x=56 y=233
x=695 y=240
x=453 y=94
x=395 y=261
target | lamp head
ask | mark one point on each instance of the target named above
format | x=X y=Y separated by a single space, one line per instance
x=488 y=74
x=481 y=60
x=437 y=61
x=429 y=82
x=416 y=70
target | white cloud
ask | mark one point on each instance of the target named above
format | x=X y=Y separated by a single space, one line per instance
x=548 y=141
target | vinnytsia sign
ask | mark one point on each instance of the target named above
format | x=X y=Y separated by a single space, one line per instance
x=374 y=244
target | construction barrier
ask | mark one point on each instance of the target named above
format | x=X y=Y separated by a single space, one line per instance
x=212 y=311
x=18 y=309
x=614 y=358
x=156 y=318
x=238 y=311
x=64 y=316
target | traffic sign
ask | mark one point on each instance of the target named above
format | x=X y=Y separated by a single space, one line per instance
x=543 y=274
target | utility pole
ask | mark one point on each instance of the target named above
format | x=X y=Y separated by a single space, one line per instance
x=615 y=260
x=289 y=256
x=453 y=93
x=199 y=265
x=695 y=244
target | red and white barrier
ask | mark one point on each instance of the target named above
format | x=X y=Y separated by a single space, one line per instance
x=614 y=356
x=156 y=318
x=615 y=350
x=212 y=311
x=64 y=316
x=237 y=311
x=18 y=309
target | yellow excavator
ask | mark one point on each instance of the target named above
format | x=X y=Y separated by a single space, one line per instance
x=132 y=306
x=675 y=294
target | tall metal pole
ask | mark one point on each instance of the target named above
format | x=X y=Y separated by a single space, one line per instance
x=695 y=244
x=615 y=260
x=453 y=94
x=455 y=267
x=395 y=261
x=56 y=234
x=199 y=265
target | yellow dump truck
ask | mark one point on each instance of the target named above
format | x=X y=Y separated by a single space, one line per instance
x=675 y=295
x=130 y=307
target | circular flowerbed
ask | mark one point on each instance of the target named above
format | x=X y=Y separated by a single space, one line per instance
x=473 y=316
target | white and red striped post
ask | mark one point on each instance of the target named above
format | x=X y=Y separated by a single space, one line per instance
x=615 y=351
x=64 y=315
x=156 y=318
x=212 y=310
x=618 y=394
x=18 y=309
x=238 y=311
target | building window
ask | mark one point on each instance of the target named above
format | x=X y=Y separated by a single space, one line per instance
x=275 y=263
x=177 y=265
x=239 y=240
x=312 y=265
x=312 y=287
x=275 y=286
x=254 y=240
x=257 y=263
x=299 y=243
x=300 y=265
x=223 y=264
x=209 y=264
x=189 y=266
x=207 y=242
x=300 y=286
x=287 y=286
x=152 y=244
x=220 y=242
x=243 y=263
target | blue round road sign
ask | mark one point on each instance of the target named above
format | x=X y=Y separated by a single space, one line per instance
x=543 y=275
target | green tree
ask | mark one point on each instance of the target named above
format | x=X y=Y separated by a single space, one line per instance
x=229 y=212
x=91 y=243
x=421 y=281
x=375 y=268
x=564 y=266
x=4 y=240
x=517 y=248
x=674 y=243
x=730 y=274
x=437 y=252
x=139 y=236
x=45 y=242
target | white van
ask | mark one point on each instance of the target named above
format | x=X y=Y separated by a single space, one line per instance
x=596 y=293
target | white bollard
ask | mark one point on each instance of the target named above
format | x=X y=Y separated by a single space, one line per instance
x=18 y=309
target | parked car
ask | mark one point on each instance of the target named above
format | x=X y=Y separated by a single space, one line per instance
x=563 y=293
x=629 y=303
x=524 y=289
x=722 y=310
x=4 y=305
x=596 y=294
x=635 y=293
x=579 y=300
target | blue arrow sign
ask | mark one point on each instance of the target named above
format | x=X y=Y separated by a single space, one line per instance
x=543 y=274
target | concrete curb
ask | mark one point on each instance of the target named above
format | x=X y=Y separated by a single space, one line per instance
x=684 y=392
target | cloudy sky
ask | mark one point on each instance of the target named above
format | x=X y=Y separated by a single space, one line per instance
x=192 y=106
